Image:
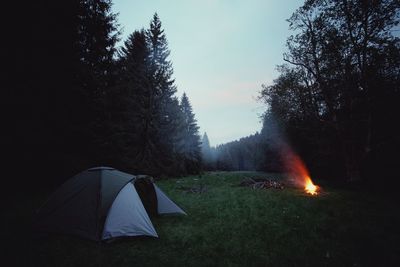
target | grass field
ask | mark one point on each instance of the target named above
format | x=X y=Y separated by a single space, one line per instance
x=231 y=226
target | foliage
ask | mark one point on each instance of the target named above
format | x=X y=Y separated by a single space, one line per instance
x=75 y=101
x=259 y=151
x=243 y=154
x=59 y=73
x=191 y=145
x=337 y=97
x=207 y=154
x=162 y=133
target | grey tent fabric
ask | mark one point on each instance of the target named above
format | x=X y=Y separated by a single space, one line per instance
x=72 y=209
x=111 y=183
x=127 y=216
x=95 y=202
x=166 y=205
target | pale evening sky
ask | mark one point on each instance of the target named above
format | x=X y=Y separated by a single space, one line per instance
x=221 y=51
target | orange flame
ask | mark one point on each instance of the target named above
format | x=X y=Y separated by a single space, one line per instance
x=310 y=187
x=298 y=172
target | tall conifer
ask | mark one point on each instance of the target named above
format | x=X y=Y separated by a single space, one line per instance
x=191 y=137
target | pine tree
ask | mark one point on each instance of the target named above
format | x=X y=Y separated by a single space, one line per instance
x=191 y=137
x=128 y=99
x=96 y=37
x=148 y=121
x=207 y=153
x=163 y=105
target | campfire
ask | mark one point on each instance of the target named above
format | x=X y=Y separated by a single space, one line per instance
x=310 y=187
x=298 y=176
x=298 y=173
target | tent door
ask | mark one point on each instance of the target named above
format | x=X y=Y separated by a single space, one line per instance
x=145 y=189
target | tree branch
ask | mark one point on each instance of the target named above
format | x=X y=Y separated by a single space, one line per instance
x=300 y=64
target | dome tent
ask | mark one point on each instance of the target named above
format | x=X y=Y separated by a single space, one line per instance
x=103 y=203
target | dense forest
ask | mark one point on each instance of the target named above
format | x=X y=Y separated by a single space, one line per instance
x=73 y=99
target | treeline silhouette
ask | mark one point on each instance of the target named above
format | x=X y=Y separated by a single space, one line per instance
x=73 y=100
x=245 y=154
x=261 y=151
x=336 y=98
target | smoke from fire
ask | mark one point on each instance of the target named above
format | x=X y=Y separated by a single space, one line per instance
x=292 y=164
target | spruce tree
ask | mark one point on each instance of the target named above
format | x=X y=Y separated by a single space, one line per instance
x=191 y=137
x=96 y=37
x=147 y=118
x=163 y=105
x=207 y=153
x=129 y=103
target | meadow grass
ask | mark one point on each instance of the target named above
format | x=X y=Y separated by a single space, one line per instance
x=230 y=225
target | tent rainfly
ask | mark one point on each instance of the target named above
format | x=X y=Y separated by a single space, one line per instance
x=103 y=203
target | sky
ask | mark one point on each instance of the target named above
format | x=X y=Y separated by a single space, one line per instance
x=222 y=51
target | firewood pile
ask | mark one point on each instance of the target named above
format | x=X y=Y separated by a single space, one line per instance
x=200 y=189
x=261 y=183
